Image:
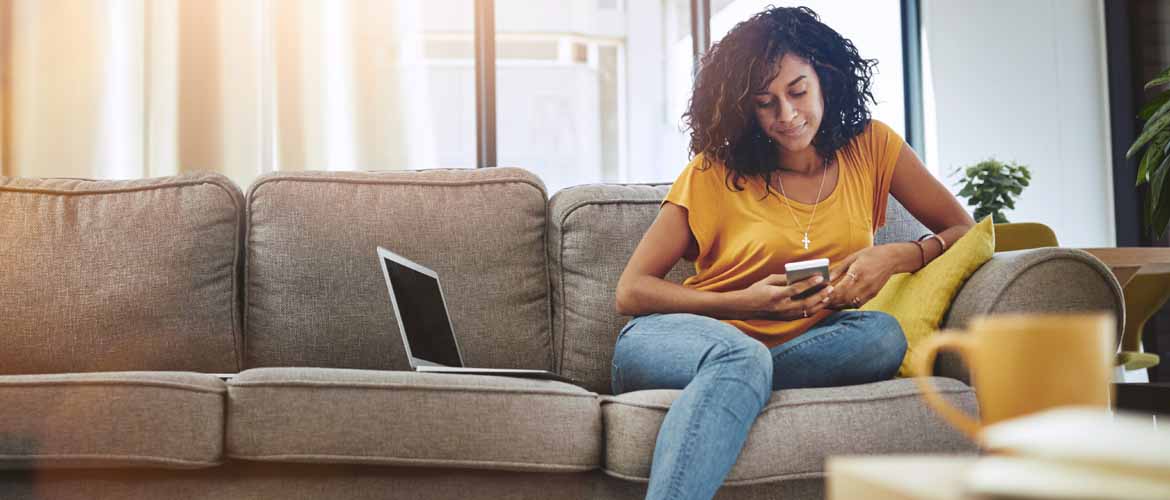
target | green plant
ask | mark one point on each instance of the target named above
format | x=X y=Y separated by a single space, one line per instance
x=991 y=185
x=1155 y=138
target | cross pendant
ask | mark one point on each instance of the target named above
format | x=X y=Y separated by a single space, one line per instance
x=805 y=241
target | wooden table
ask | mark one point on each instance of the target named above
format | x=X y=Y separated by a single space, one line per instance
x=1127 y=262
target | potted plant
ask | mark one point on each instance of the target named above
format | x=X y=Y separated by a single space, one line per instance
x=991 y=185
x=1155 y=140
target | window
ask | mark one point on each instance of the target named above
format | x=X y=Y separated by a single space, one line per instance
x=591 y=91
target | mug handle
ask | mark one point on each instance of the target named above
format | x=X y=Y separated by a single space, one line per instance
x=924 y=367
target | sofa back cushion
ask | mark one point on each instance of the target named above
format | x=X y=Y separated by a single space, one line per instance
x=593 y=230
x=900 y=225
x=315 y=294
x=120 y=275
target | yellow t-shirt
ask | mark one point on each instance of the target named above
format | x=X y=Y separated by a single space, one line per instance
x=743 y=238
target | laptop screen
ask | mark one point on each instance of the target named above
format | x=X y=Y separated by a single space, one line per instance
x=424 y=317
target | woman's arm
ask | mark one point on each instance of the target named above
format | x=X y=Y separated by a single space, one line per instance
x=928 y=201
x=642 y=289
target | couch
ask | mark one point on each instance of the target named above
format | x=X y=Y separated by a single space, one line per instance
x=121 y=300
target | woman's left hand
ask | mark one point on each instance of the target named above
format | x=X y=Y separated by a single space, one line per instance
x=861 y=276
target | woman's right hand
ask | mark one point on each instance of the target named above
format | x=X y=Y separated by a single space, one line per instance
x=772 y=298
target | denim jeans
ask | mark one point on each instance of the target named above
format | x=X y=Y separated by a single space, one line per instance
x=727 y=377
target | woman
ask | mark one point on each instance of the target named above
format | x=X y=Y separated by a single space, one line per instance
x=787 y=166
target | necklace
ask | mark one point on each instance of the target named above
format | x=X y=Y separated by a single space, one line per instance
x=807 y=227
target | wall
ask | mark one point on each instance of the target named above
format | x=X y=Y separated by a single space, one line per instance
x=1025 y=81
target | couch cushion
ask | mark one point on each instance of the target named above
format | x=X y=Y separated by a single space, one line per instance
x=593 y=230
x=326 y=415
x=900 y=225
x=120 y=275
x=315 y=291
x=111 y=419
x=798 y=428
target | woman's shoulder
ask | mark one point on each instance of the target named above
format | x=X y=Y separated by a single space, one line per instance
x=703 y=162
x=703 y=168
x=875 y=130
x=873 y=143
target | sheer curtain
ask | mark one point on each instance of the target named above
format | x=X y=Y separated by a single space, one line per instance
x=138 y=88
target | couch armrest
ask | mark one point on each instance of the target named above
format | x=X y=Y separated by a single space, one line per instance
x=1036 y=280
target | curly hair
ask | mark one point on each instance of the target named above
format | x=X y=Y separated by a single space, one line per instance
x=720 y=116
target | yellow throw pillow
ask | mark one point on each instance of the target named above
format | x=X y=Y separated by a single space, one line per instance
x=919 y=300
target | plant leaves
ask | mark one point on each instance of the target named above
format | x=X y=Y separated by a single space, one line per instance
x=1162 y=111
x=1160 y=79
x=1153 y=127
x=1160 y=215
x=1157 y=180
x=1152 y=106
x=1154 y=154
x=1143 y=175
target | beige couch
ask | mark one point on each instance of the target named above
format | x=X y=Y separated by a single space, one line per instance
x=121 y=298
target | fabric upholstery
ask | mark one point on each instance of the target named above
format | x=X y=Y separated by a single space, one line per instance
x=111 y=419
x=798 y=428
x=919 y=300
x=324 y=415
x=1039 y=280
x=593 y=230
x=900 y=225
x=315 y=291
x=120 y=275
x=286 y=481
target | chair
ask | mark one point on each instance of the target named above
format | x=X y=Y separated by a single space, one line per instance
x=1144 y=295
x=1023 y=235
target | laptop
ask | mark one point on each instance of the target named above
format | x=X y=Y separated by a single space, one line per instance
x=427 y=334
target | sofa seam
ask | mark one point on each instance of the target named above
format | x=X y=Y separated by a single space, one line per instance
x=130 y=383
x=650 y=406
x=211 y=179
x=397 y=386
x=377 y=460
x=285 y=177
x=733 y=482
x=554 y=361
x=237 y=268
x=61 y=457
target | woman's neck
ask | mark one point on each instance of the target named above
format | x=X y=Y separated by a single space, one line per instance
x=805 y=162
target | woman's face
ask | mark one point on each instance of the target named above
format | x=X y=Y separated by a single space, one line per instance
x=790 y=109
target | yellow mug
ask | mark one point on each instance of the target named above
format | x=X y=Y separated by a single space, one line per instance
x=1024 y=363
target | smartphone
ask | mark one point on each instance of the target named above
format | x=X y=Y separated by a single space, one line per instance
x=802 y=270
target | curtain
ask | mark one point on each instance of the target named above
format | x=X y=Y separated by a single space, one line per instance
x=140 y=88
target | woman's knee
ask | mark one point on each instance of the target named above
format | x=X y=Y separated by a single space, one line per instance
x=889 y=339
x=750 y=362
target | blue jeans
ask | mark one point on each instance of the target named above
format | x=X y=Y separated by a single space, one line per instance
x=727 y=377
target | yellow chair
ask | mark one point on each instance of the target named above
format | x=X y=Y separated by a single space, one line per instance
x=1144 y=294
x=1023 y=235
